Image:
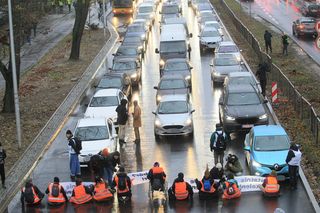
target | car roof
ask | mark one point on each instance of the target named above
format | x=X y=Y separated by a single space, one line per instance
x=173 y=32
x=83 y=122
x=210 y=29
x=106 y=92
x=227 y=43
x=239 y=88
x=146 y=4
x=265 y=130
x=239 y=74
x=173 y=76
x=175 y=97
x=176 y=60
x=124 y=59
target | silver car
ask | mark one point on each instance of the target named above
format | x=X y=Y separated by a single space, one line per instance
x=177 y=66
x=130 y=66
x=209 y=38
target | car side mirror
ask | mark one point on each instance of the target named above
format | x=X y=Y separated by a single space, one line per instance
x=221 y=101
x=191 y=68
x=113 y=54
x=155 y=87
x=211 y=65
x=157 y=51
x=192 y=111
x=86 y=105
x=190 y=35
x=154 y=113
x=247 y=148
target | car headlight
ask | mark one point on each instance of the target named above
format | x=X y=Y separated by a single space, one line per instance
x=230 y=118
x=188 y=78
x=140 y=48
x=151 y=16
x=143 y=37
x=255 y=164
x=188 y=122
x=238 y=58
x=161 y=62
x=134 y=75
x=264 y=116
x=148 y=23
x=216 y=74
x=158 y=98
x=157 y=123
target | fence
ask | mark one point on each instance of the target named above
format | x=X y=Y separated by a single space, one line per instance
x=304 y=109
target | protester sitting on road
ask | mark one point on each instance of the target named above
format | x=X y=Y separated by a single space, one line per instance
x=180 y=190
x=217 y=172
x=56 y=194
x=233 y=165
x=231 y=188
x=123 y=184
x=80 y=194
x=30 y=194
x=101 y=192
x=270 y=186
x=207 y=187
x=157 y=177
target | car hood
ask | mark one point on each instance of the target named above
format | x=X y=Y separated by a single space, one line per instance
x=94 y=147
x=173 y=119
x=271 y=157
x=98 y=112
x=135 y=34
x=211 y=39
x=183 y=73
x=172 y=91
x=128 y=72
x=246 y=111
x=227 y=69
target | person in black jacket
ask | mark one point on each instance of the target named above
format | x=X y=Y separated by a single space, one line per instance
x=293 y=160
x=173 y=195
x=3 y=156
x=217 y=172
x=123 y=183
x=262 y=75
x=30 y=194
x=122 y=118
x=267 y=39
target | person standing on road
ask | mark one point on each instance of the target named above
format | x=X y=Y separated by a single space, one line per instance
x=74 y=156
x=3 y=156
x=267 y=39
x=218 y=144
x=136 y=120
x=285 y=43
x=262 y=75
x=122 y=119
x=293 y=160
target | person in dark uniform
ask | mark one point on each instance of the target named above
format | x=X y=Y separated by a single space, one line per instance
x=262 y=75
x=267 y=39
x=3 y=156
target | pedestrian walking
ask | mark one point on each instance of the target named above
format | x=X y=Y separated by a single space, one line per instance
x=218 y=144
x=262 y=76
x=293 y=160
x=69 y=2
x=34 y=27
x=74 y=151
x=122 y=118
x=3 y=156
x=267 y=39
x=285 y=43
x=136 y=120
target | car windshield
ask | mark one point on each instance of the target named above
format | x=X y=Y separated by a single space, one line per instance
x=210 y=33
x=215 y=25
x=228 y=49
x=124 y=65
x=127 y=51
x=176 y=66
x=206 y=14
x=168 y=9
x=110 y=83
x=142 y=16
x=145 y=9
x=173 y=107
x=122 y=3
x=132 y=39
x=236 y=99
x=172 y=84
x=173 y=47
x=92 y=133
x=204 y=6
x=104 y=101
x=242 y=80
x=271 y=143
x=225 y=61
x=135 y=28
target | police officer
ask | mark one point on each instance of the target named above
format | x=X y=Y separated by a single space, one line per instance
x=262 y=75
x=3 y=156
x=293 y=161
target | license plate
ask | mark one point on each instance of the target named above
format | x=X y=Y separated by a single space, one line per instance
x=246 y=126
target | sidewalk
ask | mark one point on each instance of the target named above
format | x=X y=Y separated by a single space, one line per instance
x=51 y=29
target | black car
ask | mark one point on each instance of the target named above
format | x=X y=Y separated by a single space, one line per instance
x=126 y=51
x=242 y=107
x=118 y=81
x=310 y=9
x=304 y=26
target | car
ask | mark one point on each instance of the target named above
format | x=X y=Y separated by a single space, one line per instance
x=134 y=41
x=147 y=9
x=227 y=47
x=130 y=66
x=95 y=134
x=242 y=107
x=204 y=16
x=172 y=84
x=131 y=51
x=137 y=30
x=173 y=116
x=103 y=104
x=156 y=2
x=202 y=7
x=222 y=65
x=144 y=22
x=266 y=148
x=304 y=26
x=240 y=78
x=194 y=3
x=119 y=81
x=177 y=66
x=209 y=38
x=214 y=24
x=310 y=9
x=170 y=10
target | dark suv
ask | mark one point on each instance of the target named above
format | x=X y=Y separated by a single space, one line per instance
x=242 y=107
x=304 y=26
x=310 y=9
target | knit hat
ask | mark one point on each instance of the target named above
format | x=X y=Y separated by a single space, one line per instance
x=68 y=132
x=56 y=180
x=156 y=164
x=105 y=152
x=181 y=175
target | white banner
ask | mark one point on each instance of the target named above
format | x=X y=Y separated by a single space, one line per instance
x=68 y=186
x=139 y=177
x=249 y=183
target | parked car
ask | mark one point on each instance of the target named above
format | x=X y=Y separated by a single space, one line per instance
x=156 y=2
x=214 y=24
x=119 y=81
x=173 y=116
x=171 y=85
x=95 y=134
x=131 y=51
x=130 y=66
x=177 y=66
x=310 y=9
x=194 y=3
x=209 y=38
x=304 y=26
x=227 y=47
x=266 y=148
x=241 y=78
x=241 y=107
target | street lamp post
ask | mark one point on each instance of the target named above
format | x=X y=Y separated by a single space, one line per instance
x=104 y=17
x=14 y=75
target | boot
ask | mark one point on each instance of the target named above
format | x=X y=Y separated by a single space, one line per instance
x=73 y=178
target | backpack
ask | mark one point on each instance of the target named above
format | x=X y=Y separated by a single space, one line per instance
x=221 y=141
x=206 y=185
x=122 y=185
x=55 y=190
x=28 y=195
x=78 y=145
x=156 y=185
x=230 y=189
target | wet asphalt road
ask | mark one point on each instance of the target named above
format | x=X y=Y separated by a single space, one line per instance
x=176 y=154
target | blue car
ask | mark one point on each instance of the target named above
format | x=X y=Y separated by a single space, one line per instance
x=266 y=149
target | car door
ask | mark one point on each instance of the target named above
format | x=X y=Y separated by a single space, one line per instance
x=112 y=135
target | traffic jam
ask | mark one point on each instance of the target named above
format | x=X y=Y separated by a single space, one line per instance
x=207 y=131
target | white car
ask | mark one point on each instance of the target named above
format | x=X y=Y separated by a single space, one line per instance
x=95 y=134
x=229 y=47
x=173 y=116
x=103 y=104
x=209 y=38
x=214 y=24
x=147 y=9
x=241 y=78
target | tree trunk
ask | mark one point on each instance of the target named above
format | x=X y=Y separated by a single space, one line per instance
x=82 y=7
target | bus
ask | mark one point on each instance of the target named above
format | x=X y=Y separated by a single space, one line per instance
x=122 y=7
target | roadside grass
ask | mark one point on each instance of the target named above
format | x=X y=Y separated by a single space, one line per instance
x=298 y=68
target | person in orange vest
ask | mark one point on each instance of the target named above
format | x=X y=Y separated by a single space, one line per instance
x=231 y=188
x=56 y=194
x=123 y=184
x=80 y=193
x=101 y=192
x=270 y=186
x=30 y=194
x=157 y=177
x=207 y=187
x=180 y=190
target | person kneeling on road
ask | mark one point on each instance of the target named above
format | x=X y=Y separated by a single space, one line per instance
x=123 y=184
x=30 y=194
x=80 y=193
x=180 y=190
x=231 y=188
x=56 y=194
x=207 y=187
x=157 y=177
x=101 y=192
x=270 y=186
x=233 y=165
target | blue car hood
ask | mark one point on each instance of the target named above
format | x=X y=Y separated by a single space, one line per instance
x=271 y=158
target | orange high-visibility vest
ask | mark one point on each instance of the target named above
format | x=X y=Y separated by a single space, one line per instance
x=212 y=189
x=181 y=191
x=36 y=199
x=52 y=199
x=235 y=195
x=101 y=193
x=272 y=185
x=158 y=171
x=116 y=179
x=80 y=195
